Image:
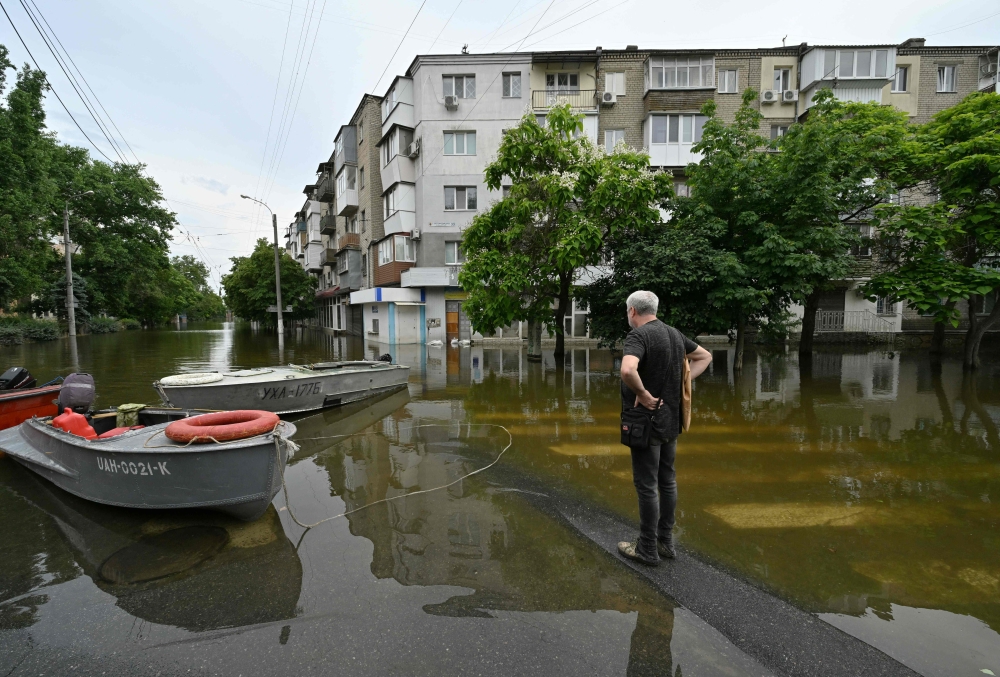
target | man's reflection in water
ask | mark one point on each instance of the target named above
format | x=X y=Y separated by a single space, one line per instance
x=649 y=653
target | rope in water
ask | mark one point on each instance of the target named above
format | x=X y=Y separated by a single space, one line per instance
x=284 y=487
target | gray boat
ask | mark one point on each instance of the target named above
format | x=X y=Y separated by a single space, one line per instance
x=283 y=390
x=144 y=469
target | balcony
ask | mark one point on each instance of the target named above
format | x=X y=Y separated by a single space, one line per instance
x=399 y=169
x=328 y=257
x=400 y=222
x=328 y=225
x=445 y=276
x=345 y=148
x=349 y=241
x=347 y=203
x=325 y=188
x=547 y=98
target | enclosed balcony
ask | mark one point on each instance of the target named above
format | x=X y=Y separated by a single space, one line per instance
x=576 y=98
x=397 y=104
x=347 y=203
x=400 y=221
x=328 y=225
x=401 y=169
x=345 y=148
x=349 y=241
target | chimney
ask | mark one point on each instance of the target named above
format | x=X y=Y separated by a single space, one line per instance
x=631 y=48
x=913 y=42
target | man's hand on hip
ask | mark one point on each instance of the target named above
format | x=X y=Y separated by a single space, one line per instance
x=647 y=400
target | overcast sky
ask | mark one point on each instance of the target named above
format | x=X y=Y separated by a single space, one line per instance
x=191 y=83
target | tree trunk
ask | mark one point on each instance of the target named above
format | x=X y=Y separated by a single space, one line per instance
x=741 y=330
x=974 y=337
x=937 y=338
x=561 y=308
x=809 y=323
x=947 y=419
x=534 y=341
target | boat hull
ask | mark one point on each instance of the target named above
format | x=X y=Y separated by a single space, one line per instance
x=17 y=406
x=287 y=391
x=144 y=469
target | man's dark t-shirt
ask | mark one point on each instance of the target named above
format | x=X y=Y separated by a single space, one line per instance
x=660 y=349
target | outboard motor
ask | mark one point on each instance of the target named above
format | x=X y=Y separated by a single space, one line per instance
x=386 y=358
x=77 y=393
x=16 y=378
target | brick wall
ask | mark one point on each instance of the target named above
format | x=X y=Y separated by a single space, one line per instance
x=629 y=111
x=929 y=100
x=369 y=118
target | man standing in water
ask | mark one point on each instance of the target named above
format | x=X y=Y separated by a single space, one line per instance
x=651 y=378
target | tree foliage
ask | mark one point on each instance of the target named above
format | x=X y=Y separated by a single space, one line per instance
x=249 y=287
x=566 y=198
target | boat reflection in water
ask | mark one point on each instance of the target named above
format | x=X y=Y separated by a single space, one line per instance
x=162 y=568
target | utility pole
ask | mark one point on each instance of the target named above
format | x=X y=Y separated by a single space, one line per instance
x=68 y=253
x=277 y=274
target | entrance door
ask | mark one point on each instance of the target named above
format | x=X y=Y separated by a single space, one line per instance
x=452 y=310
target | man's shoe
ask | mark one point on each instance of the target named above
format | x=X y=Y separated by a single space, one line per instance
x=665 y=548
x=630 y=551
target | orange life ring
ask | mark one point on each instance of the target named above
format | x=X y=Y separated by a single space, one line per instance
x=222 y=426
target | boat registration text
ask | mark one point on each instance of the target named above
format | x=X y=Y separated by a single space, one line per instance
x=283 y=392
x=132 y=467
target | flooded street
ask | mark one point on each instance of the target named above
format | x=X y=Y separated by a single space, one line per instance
x=862 y=487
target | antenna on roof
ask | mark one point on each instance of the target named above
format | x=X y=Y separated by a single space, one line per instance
x=465 y=48
x=783 y=41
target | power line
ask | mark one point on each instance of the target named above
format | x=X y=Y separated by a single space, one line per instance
x=441 y=32
x=964 y=25
x=375 y=88
x=65 y=108
x=590 y=18
x=72 y=83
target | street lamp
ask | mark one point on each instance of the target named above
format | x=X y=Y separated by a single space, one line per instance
x=70 y=300
x=277 y=270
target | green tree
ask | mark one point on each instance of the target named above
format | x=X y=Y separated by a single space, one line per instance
x=249 y=286
x=566 y=198
x=935 y=255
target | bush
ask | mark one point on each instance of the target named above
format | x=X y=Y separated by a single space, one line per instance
x=102 y=325
x=11 y=335
x=129 y=323
x=41 y=330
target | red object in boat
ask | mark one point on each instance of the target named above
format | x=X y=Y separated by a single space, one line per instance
x=17 y=406
x=222 y=426
x=115 y=432
x=74 y=423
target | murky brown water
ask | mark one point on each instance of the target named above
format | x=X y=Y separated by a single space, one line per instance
x=864 y=491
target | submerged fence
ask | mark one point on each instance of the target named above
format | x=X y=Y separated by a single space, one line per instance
x=855 y=321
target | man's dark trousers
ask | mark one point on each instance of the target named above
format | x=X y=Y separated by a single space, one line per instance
x=656 y=485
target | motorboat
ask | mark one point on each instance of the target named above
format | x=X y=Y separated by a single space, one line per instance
x=21 y=397
x=284 y=389
x=139 y=466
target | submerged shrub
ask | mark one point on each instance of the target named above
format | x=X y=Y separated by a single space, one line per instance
x=41 y=330
x=102 y=325
x=128 y=323
x=28 y=328
x=11 y=335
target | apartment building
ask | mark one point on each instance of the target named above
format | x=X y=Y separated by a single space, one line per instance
x=406 y=175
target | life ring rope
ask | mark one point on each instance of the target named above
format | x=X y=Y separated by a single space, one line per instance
x=223 y=426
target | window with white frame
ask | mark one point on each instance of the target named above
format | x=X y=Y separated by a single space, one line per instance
x=404 y=248
x=385 y=252
x=512 y=85
x=562 y=82
x=347 y=180
x=388 y=103
x=885 y=306
x=855 y=63
x=505 y=190
x=679 y=72
x=899 y=80
x=946 y=79
x=361 y=131
x=778 y=131
x=612 y=137
x=342 y=262
x=462 y=86
x=863 y=249
x=459 y=198
x=681 y=189
x=459 y=143
x=364 y=221
x=389 y=200
x=395 y=143
x=361 y=177
x=728 y=82
x=677 y=128
x=453 y=254
x=615 y=83
x=782 y=79
x=352 y=225
x=374 y=325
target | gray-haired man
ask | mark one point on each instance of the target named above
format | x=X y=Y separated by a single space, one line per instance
x=651 y=378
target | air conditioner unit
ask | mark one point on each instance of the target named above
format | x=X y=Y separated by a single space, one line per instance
x=609 y=98
x=451 y=102
x=415 y=234
x=769 y=96
x=790 y=95
x=413 y=150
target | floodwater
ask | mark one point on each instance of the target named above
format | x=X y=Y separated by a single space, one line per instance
x=862 y=487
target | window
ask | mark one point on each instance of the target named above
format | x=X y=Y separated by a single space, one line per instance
x=778 y=131
x=388 y=103
x=390 y=202
x=364 y=221
x=864 y=248
x=462 y=86
x=374 y=325
x=385 y=252
x=677 y=128
x=342 y=262
x=899 y=81
x=727 y=82
x=673 y=72
x=404 y=248
x=782 y=79
x=459 y=198
x=849 y=63
x=946 y=79
x=347 y=180
x=885 y=306
x=612 y=137
x=396 y=143
x=562 y=82
x=681 y=189
x=512 y=85
x=505 y=190
x=459 y=143
x=614 y=83
x=361 y=131
x=364 y=265
x=453 y=253
x=352 y=225
x=361 y=177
